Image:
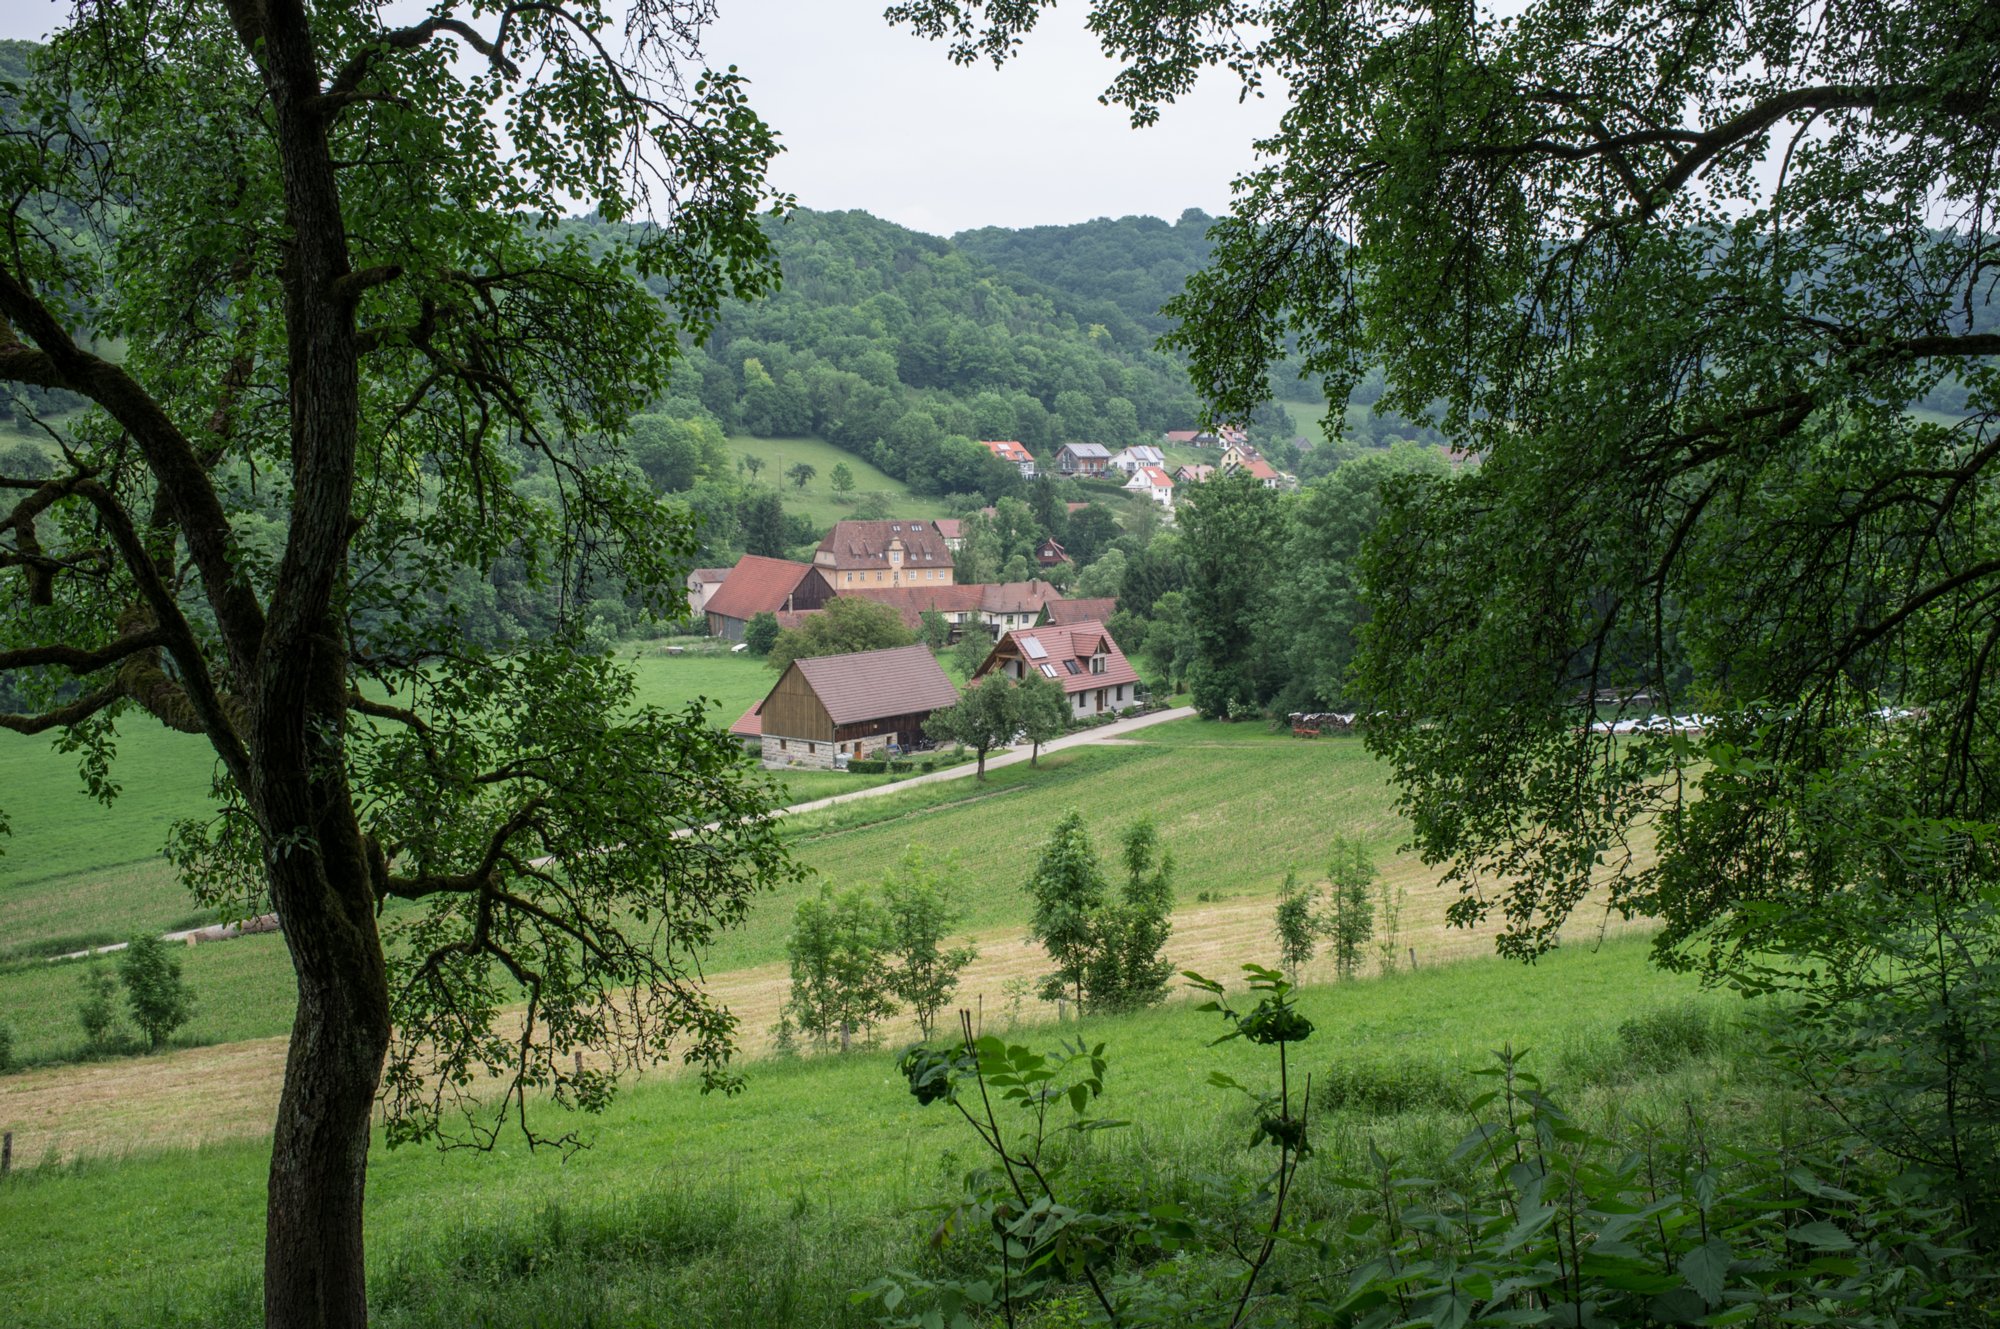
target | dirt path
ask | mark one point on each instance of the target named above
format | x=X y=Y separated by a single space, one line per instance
x=230 y=1091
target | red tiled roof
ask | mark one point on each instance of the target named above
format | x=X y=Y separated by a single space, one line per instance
x=1008 y=450
x=1260 y=468
x=1154 y=477
x=1183 y=435
x=1017 y=597
x=1064 y=646
x=791 y=618
x=1064 y=612
x=756 y=585
x=869 y=685
x=951 y=528
x=865 y=544
x=750 y=724
x=910 y=602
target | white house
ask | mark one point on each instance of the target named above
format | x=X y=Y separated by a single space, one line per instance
x=1137 y=457
x=1155 y=484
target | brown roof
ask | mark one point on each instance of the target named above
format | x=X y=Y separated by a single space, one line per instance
x=1062 y=612
x=865 y=544
x=708 y=574
x=1017 y=597
x=911 y=601
x=869 y=685
x=756 y=585
x=792 y=618
x=951 y=528
x=1066 y=651
x=750 y=724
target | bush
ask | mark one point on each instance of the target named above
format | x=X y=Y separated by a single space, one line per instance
x=160 y=999
x=1668 y=1036
x=868 y=765
x=1380 y=1088
x=98 y=1011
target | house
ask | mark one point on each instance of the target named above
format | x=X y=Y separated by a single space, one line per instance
x=1155 y=484
x=959 y=605
x=1186 y=438
x=1137 y=457
x=1014 y=455
x=1265 y=473
x=1083 y=458
x=1050 y=552
x=1242 y=457
x=1238 y=454
x=702 y=584
x=759 y=585
x=1014 y=604
x=832 y=708
x=1081 y=657
x=1194 y=473
x=953 y=531
x=883 y=553
x=1062 y=613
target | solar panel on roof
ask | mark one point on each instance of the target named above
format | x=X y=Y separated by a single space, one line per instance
x=1034 y=649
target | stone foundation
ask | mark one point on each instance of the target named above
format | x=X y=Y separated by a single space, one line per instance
x=806 y=754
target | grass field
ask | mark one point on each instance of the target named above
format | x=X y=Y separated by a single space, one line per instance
x=817 y=501
x=767 y=1209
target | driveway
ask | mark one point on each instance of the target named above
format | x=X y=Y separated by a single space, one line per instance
x=998 y=758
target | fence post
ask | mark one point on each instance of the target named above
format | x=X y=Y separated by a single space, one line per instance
x=1413 y=957
x=981 y=1026
x=6 y=1153
x=579 y=1061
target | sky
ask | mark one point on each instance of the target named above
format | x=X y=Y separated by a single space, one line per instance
x=873 y=117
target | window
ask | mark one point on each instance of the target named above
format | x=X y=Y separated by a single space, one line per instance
x=1096 y=664
x=784 y=745
x=1071 y=666
x=1119 y=695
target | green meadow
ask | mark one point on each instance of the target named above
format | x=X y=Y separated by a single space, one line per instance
x=817 y=501
x=769 y=1208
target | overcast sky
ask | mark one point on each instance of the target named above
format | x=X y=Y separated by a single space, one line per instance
x=875 y=118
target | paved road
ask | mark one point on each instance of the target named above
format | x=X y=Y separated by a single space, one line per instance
x=1111 y=732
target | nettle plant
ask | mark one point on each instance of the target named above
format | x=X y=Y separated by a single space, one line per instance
x=1536 y=1220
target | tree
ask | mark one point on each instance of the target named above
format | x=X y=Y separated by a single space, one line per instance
x=160 y=999
x=763 y=520
x=98 y=1011
x=801 y=474
x=845 y=625
x=761 y=633
x=971 y=649
x=1676 y=276
x=934 y=629
x=982 y=720
x=923 y=905
x=1127 y=970
x=840 y=970
x=1296 y=923
x=1067 y=891
x=1349 y=920
x=1231 y=594
x=1041 y=711
x=348 y=321
x=842 y=478
x=752 y=463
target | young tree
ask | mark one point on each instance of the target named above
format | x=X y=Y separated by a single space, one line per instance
x=842 y=478
x=1297 y=925
x=98 y=1011
x=801 y=474
x=752 y=463
x=924 y=905
x=160 y=999
x=1041 y=711
x=1349 y=920
x=1128 y=970
x=971 y=649
x=1067 y=891
x=840 y=970
x=982 y=720
x=847 y=624
x=324 y=240
x=935 y=630
x=761 y=633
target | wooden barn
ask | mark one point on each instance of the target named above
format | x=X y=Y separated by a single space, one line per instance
x=835 y=707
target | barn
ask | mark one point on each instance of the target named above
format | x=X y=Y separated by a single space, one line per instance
x=834 y=707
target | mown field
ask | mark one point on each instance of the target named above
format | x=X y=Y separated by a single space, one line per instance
x=769 y=1208
x=817 y=501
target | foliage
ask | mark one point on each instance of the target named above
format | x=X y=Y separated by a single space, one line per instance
x=97 y=1012
x=1296 y=924
x=846 y=624
x=1349 y=920
x=923 y=905
x=1127 y=970
x=842 y=477
x=840 y=976
x=971 y=649
x=159 y=998
x=801 y=474
x=984 y=718
x=1067 y=892
x=1041 y=710
x=6 y=1045
x=934 y=629
x=760 y=634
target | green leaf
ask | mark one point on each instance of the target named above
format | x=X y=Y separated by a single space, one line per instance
x=1705 y=1268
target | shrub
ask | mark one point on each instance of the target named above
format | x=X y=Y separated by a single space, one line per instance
x=1668 y=1036
x=6 y=1046
x=98 y=1011
x=1380 y=1088
x=867 y=766
x=159 y=998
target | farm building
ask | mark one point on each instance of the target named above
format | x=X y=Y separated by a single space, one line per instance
x=1082 y=658
x=703 y=583
x=759 y=585
x=883 y=553
x=830 y=708
x=1062 y=613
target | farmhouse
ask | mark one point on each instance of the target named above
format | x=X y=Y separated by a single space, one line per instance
x=883 y=553
x=953 y=531
x=1082 y=458
x=1194 y=473
x=759 y=585
x=831 y=708
x=1062 y=613
x=1014 y=455
x=1082 y=657
x=1050 y=552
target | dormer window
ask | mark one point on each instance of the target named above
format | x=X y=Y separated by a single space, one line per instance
x=1096 y=664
